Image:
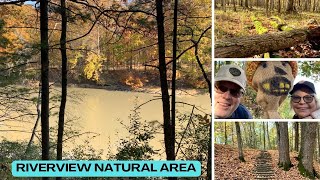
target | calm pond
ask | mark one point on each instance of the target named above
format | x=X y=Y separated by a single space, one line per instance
x=100 y=111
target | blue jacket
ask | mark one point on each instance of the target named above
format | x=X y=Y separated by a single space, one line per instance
x=241 y=113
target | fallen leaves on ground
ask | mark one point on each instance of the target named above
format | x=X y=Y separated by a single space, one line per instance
x=228 y=166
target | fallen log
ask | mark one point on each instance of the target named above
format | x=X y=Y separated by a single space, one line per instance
x=240 y=47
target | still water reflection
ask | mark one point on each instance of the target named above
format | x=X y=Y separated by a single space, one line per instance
x=100 y=111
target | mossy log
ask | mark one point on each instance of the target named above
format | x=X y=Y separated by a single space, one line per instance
x=240 y=47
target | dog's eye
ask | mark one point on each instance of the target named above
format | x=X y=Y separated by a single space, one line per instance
x=284 y=63
x=264 y=64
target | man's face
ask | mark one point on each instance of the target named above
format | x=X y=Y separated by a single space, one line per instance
x=226 y=98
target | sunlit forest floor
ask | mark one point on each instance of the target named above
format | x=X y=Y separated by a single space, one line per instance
x=234 y=24
x=240 y=23
x=228 y=166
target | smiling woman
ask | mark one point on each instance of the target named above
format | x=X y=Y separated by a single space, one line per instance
x=304 y=101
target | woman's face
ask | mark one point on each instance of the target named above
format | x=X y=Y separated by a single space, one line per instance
x=303 y=108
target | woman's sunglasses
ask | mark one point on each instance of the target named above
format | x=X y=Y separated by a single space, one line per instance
x=307 y=98
x=222 y=89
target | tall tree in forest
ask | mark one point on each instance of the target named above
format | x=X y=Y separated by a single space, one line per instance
x=225 y=134
x=283 y=146
x=174 y=71
x=268 y=137
x=296 y=136
x=308 y=143
x=167 y=124
x=264 y=136
x=267 y=8
x=279 y=6
x=64 y=71
x=44 y=80
x=241 y=156
x=246 y=3
x=290 y=6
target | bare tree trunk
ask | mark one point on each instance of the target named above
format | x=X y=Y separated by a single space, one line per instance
x=264 y=136
x=234 y=5
x=36 y=124
x=308 y=139
x=225 y=134
x=246 y=4
x=296 y=136
x=267 y=8
x=174 y=71
x=290 y=6
x=167 y=125
x=268 y=137
x=239 y=139
x=284 y=158
x=279 y=6
x=64 y=71
x=44 y=80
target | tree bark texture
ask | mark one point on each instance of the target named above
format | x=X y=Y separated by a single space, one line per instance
x=168 y=138
x=296 y=136
x=241 y=47
x=284 y=158
x=309 y=133
x=44 y=79
x=64 y=82
x=241 y=156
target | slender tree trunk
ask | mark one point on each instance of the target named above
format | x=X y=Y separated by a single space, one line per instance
x=254 y=136
x=268 y=137
x=279 y=6
x=167 y=125
x=64 y=82
x=241 y=156
x=234 y=5
x=290 y=6
x=246 y=4
x=44 y=80
x=225 y=134
x=36 y=124
x=318 y=129
x=174 y=71
x=264 y=136
x=308 y=139
x=284 y=158
x=232 y=136
x=296 y=136
x=267 y=8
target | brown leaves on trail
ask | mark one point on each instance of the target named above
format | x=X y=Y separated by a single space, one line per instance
x=293 y=173
x=228 y=166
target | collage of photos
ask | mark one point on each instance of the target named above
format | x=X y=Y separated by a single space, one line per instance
x=266 y=72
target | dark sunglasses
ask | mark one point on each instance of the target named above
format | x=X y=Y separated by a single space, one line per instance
x=234 y=92
x=307 y=98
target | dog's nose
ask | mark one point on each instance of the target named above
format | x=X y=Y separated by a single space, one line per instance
x=279 y=71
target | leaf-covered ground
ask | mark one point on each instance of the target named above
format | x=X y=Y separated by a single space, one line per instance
x=228 y=166
x=236 y=24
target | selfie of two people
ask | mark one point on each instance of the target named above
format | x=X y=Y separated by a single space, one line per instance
x=273 y=81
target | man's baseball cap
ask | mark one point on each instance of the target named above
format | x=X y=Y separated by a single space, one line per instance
x=232 y=73
x=303 y=84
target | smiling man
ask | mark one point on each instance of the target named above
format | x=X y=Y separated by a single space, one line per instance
x=229 y=86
